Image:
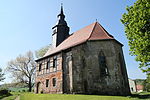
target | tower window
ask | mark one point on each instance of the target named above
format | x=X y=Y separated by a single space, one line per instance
x=102 y=64
x=54 y=82
x=54 y=62
x=47 y=82
x=48 y=65
x=40 y=67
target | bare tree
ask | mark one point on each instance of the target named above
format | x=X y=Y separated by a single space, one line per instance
x=23 y=69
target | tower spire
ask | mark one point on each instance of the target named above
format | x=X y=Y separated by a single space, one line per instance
x=60 y=30
x=61 y=15
x=62 y=9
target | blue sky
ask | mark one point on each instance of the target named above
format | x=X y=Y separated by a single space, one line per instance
x=26 y=25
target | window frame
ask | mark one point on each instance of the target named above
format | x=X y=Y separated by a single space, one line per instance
x=48 y=65
x=55 y=62
x=54 y=82
x=103 y=64
x=40 y=67
x=47 y=83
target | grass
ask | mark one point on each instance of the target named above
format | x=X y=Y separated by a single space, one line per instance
x=141 y=96
x=12 y=96
x=31 y=96
x=3 y=96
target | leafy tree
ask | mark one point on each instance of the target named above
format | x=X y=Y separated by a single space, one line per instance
x=139 y=81
x=1 y=75
x=41 y=52
x=23 y=69
x=137 y=29
x=146 y=84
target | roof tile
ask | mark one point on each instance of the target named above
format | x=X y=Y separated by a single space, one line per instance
x=93 y=31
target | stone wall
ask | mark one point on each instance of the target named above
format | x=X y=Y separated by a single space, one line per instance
x=67 y=72
x=86 y=70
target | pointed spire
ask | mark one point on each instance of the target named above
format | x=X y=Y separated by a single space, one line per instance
x=61 y=9
x=61 y=17
x=61 y=12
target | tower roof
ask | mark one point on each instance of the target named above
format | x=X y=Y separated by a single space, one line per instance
x=61 y=18
x=93 y=31
x=61 y=11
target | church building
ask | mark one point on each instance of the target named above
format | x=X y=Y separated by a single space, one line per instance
x=88 y=61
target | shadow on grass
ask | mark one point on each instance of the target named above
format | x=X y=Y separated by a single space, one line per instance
x=141 y=96
x=4 y=95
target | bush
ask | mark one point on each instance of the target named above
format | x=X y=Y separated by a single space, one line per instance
x=4 y=91
x=23 y=90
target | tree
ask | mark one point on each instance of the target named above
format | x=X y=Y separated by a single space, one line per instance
x=139 y=81
x=23 y=69
x=137 y=29
x=1 y=75
x=146 y=84
x=41 y=52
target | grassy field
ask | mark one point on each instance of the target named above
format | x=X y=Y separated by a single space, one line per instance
x=12 y=96
x=31 y=96
x=2 y=96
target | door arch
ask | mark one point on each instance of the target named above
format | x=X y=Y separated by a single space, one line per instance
x=38 y=88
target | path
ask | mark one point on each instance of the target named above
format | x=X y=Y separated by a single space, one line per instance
x=17 y=98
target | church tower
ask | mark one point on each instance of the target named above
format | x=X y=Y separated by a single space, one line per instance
x=60 y=30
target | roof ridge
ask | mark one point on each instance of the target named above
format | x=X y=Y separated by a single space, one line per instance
x=92 y=31
x=105 y=31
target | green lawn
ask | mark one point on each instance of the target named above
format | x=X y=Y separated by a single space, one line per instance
x=32 y=96
x=2 y=96
x=12 y=96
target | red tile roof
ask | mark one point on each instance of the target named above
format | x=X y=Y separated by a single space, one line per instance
x=139 y=87
x=91 y=32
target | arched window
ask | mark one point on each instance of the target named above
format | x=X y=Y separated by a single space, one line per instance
x=102 y=64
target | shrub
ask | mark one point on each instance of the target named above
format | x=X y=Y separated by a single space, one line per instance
x=23 y=90
x=4 y=91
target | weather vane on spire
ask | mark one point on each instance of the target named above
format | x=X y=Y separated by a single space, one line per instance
x=96 y=19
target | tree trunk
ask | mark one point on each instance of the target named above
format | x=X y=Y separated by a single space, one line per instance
x=30 y=85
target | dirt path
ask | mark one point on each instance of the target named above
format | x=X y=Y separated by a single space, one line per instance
x=17 y=98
